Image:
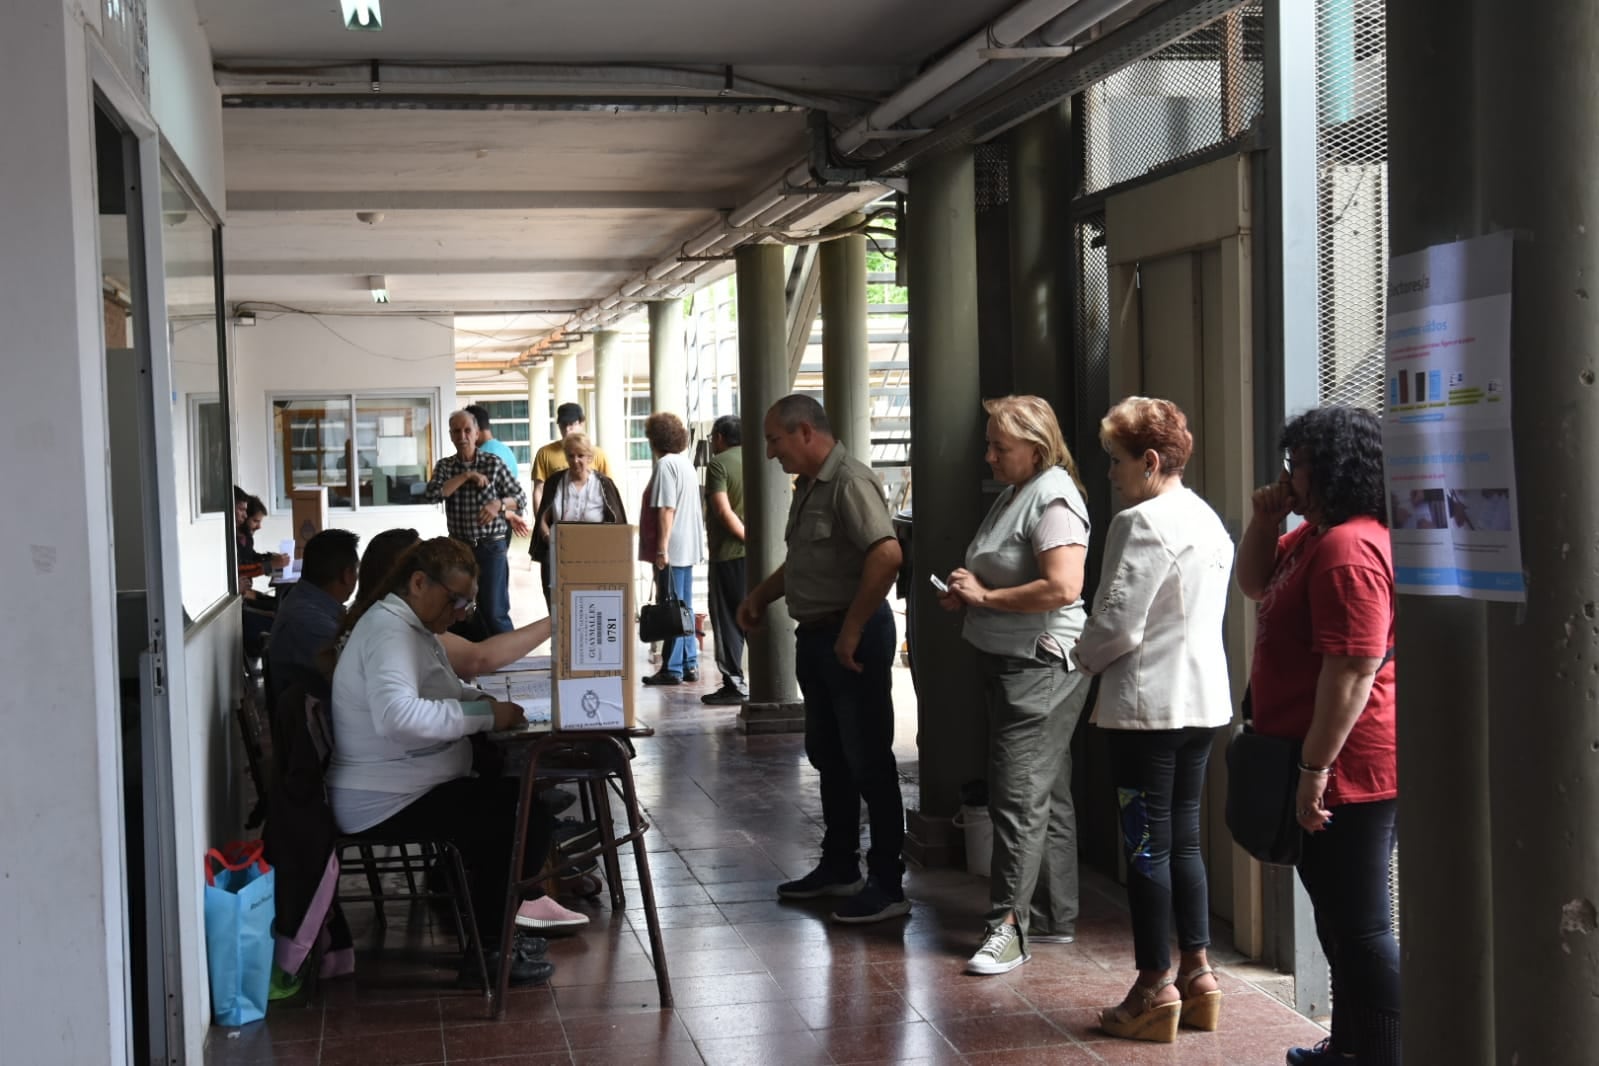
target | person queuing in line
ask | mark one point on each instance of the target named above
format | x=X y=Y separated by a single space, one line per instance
x=551 y=458
x=724 y=526
x=1155 y=640
x=576 y=494
x=480 y=499
x=401 y=761
x=1324 y=674
x=842 y=560
x=312 y=610
x=486 y=441
x=680 y=538
x=1022 y=589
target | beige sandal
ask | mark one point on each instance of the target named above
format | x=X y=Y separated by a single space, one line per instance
x=1201 y=1011
x=1153 y=1021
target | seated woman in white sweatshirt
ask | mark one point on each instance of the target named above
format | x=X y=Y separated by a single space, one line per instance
x=1155 y=639
x=401 y=760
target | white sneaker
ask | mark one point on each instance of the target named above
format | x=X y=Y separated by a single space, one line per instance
x=545 y=913
x=1001 y=952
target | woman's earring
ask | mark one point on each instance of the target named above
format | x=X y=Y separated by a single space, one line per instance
x=1147 y=473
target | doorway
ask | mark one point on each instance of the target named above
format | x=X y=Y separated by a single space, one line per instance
x=1181 y=327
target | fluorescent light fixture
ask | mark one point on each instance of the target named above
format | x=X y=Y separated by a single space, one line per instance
x=361 y=14
x=380 y=288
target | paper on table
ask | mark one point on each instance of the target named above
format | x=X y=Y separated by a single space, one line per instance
x=527 y=662
x=591 y=703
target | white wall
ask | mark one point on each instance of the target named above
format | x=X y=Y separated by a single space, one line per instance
x=216 y=763
x=62 y=984
x=183 y=96
x=292 y=353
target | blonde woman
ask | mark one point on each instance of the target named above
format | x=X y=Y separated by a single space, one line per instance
x=1022 y=589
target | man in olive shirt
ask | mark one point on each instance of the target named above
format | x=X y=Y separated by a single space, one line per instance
x=842 y=560
x=724 y=527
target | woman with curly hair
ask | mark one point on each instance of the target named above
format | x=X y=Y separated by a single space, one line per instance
x=1155 y=641
x=1324 y=675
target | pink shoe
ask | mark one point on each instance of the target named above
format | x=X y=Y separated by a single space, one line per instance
x=545 y=913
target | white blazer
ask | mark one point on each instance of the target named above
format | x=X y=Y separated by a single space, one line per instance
x=1155 y=633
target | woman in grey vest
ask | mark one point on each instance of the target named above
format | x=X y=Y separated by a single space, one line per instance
x=1022 y=589
x=1155 y=640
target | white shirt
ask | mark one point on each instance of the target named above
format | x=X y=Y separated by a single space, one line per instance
x=1155 y=633
x=580 y=503
x=400 y=717
x=677 y=486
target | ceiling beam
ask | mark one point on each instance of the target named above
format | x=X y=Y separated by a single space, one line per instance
x=478 y=200
x=381 y=264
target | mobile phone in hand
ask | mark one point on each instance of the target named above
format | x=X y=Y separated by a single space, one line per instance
x=938 y=583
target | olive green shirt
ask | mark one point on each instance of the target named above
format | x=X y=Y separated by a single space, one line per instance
x=724 y=473
x=833 y=522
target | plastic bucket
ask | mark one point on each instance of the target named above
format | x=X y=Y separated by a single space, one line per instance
x=979 y=838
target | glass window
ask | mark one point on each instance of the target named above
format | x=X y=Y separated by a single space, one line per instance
x=202 y=434
x=508 y=419
x=638 y=412
x=369 y=450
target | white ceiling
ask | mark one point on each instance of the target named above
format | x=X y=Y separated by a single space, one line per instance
x=531 y=209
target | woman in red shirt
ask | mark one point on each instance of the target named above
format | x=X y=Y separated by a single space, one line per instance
x=1324 y=674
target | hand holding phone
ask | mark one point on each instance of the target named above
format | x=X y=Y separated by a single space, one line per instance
x=938 y=584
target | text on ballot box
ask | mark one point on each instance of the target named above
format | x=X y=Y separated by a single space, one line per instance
x=597 y=623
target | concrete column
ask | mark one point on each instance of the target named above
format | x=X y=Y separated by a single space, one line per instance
x=668 y=366
x=947 y=447
x=846 y=379
x=608 y=419
x=1040 y=257
x=1536 y=154
x=538 y=406
x=564 y=381
x=763 y=380
x=1447 y=889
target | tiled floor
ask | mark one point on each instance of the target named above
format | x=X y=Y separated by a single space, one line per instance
x=756 y=981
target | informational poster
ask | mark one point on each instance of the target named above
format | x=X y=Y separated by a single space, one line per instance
x=1446 y=431
x=596 y=625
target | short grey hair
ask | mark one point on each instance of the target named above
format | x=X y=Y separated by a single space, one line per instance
x=462 y=413
x=799 y=408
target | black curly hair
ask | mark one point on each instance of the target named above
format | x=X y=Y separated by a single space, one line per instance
x=1344 y=445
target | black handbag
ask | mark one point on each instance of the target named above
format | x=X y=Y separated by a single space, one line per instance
x=1262 y=791
x=668 y=618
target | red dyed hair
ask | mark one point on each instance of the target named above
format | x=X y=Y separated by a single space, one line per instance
x=1142 y=424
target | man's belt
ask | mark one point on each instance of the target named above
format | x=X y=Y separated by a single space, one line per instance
x=826 y=621
x=478 y=542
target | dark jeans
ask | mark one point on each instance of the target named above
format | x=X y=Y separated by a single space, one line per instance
x=1159 y=775
x=849 y=739
x=684 y=652
x=493 y=585
x=1345 y=870
x=478 y=816
x=725 y=589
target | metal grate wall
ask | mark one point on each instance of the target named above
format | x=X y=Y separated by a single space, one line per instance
x=1352 y=178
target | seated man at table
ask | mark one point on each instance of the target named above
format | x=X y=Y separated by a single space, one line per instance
x=311 y=611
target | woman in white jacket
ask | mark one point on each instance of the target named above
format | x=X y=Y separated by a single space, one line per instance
x=1155 y=639
x=401 y=763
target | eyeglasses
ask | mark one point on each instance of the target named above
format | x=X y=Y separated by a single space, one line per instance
x=1290 y=464
x=459 y=603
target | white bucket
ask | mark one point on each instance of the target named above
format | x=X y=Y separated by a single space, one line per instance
x=979 y=838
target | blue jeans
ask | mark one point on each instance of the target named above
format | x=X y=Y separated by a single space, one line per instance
x=849 y=739
x=684 y=653
x=493 y=585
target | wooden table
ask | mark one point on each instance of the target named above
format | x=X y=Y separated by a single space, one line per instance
x=590 y=755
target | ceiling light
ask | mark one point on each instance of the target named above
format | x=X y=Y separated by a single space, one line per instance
x=371 y=218
x=361 y=14
x=380 y=288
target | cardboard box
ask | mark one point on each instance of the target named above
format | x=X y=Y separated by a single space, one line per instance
x=594 y=632
x=309 y=515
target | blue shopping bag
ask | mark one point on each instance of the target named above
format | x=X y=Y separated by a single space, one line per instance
x=238 y=931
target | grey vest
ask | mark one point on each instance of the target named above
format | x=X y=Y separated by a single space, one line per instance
x=1001 y=555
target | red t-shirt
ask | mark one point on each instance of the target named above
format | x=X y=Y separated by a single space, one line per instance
x=1331 y=593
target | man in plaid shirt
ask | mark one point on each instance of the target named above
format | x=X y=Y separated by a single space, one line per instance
x=481 y=504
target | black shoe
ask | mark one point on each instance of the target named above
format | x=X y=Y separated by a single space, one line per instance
x=729 y=695
x=823 y=881
x=691 y=674
x=663 y=678
x=874 y=903
x=529 y=946
x=1320 y=1055
x=573 y=836
x=524 y=971
x=556 y=800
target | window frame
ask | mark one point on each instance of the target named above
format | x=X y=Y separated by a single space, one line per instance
x=433 y=396
x=196 y=474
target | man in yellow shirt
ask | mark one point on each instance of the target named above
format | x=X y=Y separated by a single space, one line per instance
x=551 y=459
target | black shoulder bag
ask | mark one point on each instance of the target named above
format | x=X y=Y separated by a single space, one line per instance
x=1262 y=790
x=668 y=618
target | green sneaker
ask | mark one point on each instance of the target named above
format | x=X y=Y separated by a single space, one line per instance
x=1001 y=952
x=283 y=985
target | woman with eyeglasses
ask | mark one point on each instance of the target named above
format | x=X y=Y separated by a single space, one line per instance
x=402 y=764
x=580 y=493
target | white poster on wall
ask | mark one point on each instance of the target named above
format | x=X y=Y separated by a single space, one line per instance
x=1446 y=430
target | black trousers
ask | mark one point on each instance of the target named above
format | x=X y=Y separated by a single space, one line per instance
x=478 y=816
x=725 y=581
x=1159 y=776
x=1344 y=869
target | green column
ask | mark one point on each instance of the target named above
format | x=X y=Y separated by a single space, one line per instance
x=846 y=385
x=1040 y=257
x=607 y=423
